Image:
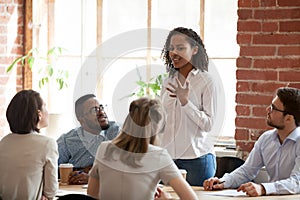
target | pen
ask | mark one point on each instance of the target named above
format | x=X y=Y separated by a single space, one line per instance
x=219 y=182
x=78 y=172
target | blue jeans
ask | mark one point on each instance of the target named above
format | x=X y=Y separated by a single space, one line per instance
x=198 y=169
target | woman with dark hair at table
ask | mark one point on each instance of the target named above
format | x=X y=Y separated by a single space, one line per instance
x=28 y=160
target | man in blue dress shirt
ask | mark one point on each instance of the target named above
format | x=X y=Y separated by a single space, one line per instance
x=79 y=145
x=277 y=149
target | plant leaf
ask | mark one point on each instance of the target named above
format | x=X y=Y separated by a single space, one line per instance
x=50 y=71
x=127 y=96
x=31 y=61
x=13 y=64
x=141 y=83
x=138 y=73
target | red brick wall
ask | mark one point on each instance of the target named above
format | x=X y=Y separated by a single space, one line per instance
x=269 y=39
x=11 y=46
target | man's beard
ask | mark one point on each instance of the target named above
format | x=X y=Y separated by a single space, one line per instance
x=97 y=126
x=275 y=126
x=105 y=127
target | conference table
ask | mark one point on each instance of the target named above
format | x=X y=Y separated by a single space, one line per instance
x=205 y=195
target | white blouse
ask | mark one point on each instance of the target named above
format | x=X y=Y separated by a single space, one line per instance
x=187 y=127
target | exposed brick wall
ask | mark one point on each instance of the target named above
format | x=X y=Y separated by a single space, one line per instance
x=11 y=47
x=269 y=39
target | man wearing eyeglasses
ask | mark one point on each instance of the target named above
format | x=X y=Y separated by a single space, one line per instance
x=79 y=146
x=277 y=149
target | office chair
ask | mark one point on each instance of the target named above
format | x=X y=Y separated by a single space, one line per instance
x=227 y=164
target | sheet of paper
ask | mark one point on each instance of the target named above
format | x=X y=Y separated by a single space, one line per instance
x=227 y=192
x=65 y=192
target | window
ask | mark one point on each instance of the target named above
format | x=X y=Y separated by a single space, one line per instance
x=133 y=38
x=220 y=30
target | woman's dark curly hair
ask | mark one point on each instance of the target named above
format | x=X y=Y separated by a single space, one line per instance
x=199 y=60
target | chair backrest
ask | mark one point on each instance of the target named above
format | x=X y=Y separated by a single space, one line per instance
x=75 y=197
x=227 y=164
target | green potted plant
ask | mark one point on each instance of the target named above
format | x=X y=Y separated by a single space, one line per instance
x=46 y=70
x=151 y=88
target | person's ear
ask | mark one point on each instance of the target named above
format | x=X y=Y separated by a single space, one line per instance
x=195 y=50
x=290 y=118
x=39 y=114
x=80 y=119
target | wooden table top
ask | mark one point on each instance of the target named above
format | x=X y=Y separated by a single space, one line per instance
x=81 y=189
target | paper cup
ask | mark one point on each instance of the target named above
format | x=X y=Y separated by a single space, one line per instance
x=64 y=171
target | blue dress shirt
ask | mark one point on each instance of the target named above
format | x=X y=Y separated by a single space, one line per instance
x=79 y=147
x=282 y=162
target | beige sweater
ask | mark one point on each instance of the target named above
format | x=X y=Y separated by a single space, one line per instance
x=28 y=167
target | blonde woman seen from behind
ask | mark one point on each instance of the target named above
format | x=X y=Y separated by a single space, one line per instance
x=131 y=166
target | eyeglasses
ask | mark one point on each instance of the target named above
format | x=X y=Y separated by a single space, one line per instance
x=272 y=107
x=95 y=110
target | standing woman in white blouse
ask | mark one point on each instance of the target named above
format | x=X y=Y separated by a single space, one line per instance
x=189 y=98
x=28 y=168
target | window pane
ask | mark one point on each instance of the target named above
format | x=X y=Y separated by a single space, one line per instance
x=89 y=28
x=75 y=26
x=125 y=72
x=226 y=69
x=121 y=16
x=68 y=25
x=221 y=28
x=169 y=14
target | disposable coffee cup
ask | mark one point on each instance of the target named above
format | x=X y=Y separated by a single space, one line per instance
x=183 y=173
x=64 y=171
